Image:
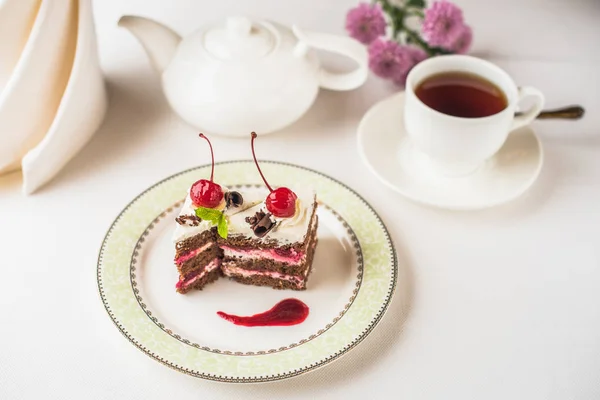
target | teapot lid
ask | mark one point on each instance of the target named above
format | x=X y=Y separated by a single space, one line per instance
x=240 y=39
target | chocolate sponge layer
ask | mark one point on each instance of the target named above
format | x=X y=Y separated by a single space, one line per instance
x=192 y=243
x=201 y=260
x=261 y=280
x=301 y=271
x=200 y=283
x=269 y=264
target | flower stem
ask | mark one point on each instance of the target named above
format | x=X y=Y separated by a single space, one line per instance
x=396 y=16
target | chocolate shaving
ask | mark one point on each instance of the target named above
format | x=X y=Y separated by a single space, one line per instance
x=260 y=223
x=189 y=220
x=234 y=199
x=253 y=220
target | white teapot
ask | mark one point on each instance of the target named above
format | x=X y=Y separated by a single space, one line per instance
x=240 y=76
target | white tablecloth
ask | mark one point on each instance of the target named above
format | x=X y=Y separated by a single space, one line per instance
x=496 y=304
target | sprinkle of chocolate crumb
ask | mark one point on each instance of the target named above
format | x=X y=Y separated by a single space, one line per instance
x=189 y=220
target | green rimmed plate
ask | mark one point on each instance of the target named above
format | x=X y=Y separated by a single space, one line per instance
x=353 y=280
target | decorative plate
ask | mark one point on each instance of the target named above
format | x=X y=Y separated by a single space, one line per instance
x=353 y=279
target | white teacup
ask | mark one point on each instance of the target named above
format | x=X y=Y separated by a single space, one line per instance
x=454 y=145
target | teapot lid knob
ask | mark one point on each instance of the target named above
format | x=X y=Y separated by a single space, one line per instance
x=240 y=38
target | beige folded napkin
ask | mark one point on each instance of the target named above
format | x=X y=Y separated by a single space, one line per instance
x=54 y=99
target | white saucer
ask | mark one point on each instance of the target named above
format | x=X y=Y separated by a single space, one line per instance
x=387 y=151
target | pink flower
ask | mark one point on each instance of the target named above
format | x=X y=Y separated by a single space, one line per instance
x=387 y=59
x=442 y=25
x=463 y=41
x=415 y=56
x=365 y=22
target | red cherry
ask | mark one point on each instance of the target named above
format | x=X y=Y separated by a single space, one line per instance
x=281 y=202
x=207 y=193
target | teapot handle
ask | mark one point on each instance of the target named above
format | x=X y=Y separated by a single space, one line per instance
x=337 y=44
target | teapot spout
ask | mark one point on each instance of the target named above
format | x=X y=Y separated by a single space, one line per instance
x=159 y=41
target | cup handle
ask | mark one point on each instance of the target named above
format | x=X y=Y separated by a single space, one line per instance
x=529 y=115
x=337 y=44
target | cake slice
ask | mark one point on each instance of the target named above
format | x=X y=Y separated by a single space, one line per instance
x=198 y=260
x=265 y=250
x=197 y=254
x=259 y=237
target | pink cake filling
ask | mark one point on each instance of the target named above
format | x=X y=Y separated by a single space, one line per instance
x=189 y=255
x=194 y=276
x=290 y=256
x=229 y=270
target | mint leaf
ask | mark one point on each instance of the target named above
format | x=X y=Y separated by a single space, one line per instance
x=214 y=216
x=222 y=227
x=209 y=214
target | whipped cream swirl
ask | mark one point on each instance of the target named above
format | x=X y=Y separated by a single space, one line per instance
x=298 y=218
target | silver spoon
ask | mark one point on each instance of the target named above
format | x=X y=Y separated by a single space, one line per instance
x=569 y=112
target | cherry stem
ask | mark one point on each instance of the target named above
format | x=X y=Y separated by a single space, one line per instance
x=254 y=135
x=212 y=156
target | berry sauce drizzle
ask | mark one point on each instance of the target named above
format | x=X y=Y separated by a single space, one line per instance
x=285 y=313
